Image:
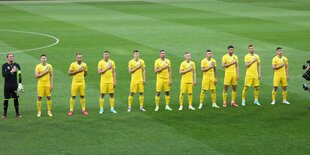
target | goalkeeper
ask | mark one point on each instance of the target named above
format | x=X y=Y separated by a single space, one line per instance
x=10 y=71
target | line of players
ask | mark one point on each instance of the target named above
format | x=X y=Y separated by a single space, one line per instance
x=136 y=67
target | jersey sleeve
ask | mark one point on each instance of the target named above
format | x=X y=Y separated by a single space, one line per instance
x=71 y=67
x=258 y=59
x=51 y=68
x=246 y=59
x=18 y=66
x=237 y=59
x=286 y=61
x=130 y=65
x=156 y=64
x=113 y=64
x=202 y=64
x=85 y=68
x=182 y=66
x=194 y=66
x=143 y=64
x=274 y=61
x=37 y=69
x=99 y=65
x=224 y=59
x=214 y=63
x=169 y=63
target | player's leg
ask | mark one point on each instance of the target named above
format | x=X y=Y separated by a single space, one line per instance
x=141 y=95
x=190 y=96
x=159 y=86
x=103 y=90
x=40 y=90
x=82 y=97
x=72 y=99
x=234 y=91
x=16 y=102
x=49 y=101
x=112 y=99
x=181 y=98
x=256 y=90
x=204 y=87
x=213 y=94
x=276 y=82
x=284 y=90
x=247 y=84
x=227 y=82
x=167 y=94
x=7 y=96
x=133 y=89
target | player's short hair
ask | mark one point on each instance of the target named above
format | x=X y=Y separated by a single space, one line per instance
x=106 y=52
x=162 y=51
x=250 y=46
x=42 y=55
x=134 y=51
x=279 y=48
x=186 y=53
x=208 y=51
x=9 y=54
x=230 y=46
x=78 y=54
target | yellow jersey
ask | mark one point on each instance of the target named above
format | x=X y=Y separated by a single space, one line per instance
x=106 y=77
x=210 y=73
x=277 y=61
x=160 y=64
x=45 y=80
x=252 y=70
x=79 y=77
x=228 y=59
x=137 y=75
x=187 y=77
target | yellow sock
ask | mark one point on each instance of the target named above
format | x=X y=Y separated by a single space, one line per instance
x=256 y=92
x=181 y=99
x=202 y=96
x=39 y=105
x=141 y=99
x=224 y=96
x=101 y=102
x=284 y=94
x=233 y=96
x=112 y=102
x=157 y=100
x=130 y=98
x=213 y=96
x=274 y=93
x=83 y=103
x=49 y=105
x=167 y=98
x=190 y=99
x=72 y=101
x=244 y=92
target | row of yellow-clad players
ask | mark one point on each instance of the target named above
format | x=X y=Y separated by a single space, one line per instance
x=136 y=67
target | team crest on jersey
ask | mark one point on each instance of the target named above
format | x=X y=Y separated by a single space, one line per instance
x=191 y=65
x=9 y=67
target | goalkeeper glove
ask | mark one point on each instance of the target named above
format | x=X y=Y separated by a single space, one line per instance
x=20 y=88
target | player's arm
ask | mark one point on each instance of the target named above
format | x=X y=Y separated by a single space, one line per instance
x=203 y=69
x=38 y=75
x=248 y=64
x=286 y=68
x=224 y=65
x=274 y=67
x=85 y=73
x=259 y=70
x=71 y=72
x=185 y=71
x=170 y=77
x=52 y=80
x=100 y=71
x=144 y=77
x=135 y=69
x=215 y=75
x=194 y=77
x=5 y=73
x=159 y=70
x=114 y=77
x=237 y=69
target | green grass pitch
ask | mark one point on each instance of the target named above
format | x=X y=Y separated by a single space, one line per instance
x=149 y=26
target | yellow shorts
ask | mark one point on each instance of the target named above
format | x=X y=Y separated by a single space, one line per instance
x=162 y=84
x=280 y=79
x=106 y=87
x=136 y=86
x=230 y=80
x=78 y=87
x=187 y=88
x=208 y=84
x=251 y=79
x=44 y=91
